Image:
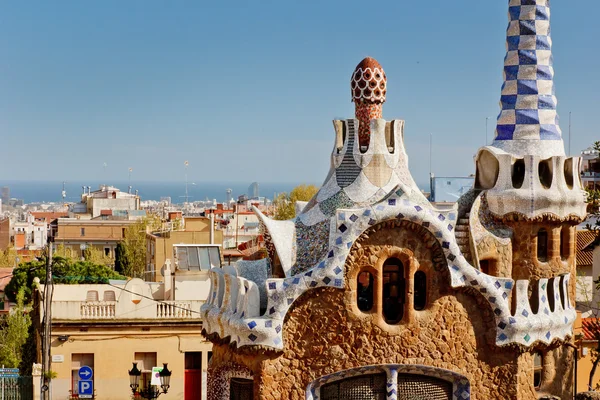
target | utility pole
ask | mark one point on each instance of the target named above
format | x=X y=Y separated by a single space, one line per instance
x=46 y=385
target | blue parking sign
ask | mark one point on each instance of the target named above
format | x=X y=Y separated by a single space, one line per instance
x=86 y=389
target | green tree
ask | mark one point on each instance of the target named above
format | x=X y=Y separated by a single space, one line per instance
x=121 y=260
x=65 y=252
x=97 y=256
x=15 y=332
x=285 y=203
x=134 y=243
x=8 y=258
x=64 y=271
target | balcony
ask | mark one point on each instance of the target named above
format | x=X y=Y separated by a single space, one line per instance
x=110 y=310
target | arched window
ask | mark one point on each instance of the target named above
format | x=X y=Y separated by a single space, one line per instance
x=372 y=386
x=537 y=370
x=542 y=245
x=364 y=291
x=393 y=293
x=420 y=290
x=241 y=389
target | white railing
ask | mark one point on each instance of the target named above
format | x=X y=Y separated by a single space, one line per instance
x=178 y=309
x=108 y=310
x=98 y=309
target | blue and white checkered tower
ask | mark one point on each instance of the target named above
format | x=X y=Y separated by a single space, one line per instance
x=528 y=121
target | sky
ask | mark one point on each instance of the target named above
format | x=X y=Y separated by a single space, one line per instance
x=247 y=90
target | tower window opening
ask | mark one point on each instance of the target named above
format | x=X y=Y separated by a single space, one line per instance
x=565 y=242
x=551 y=294
x=534 y=297
x=364 y=291
x=518 y=173
x=545 y=171
x=542 y=245
x=420 y=282
x=537 y=370
x=561 y=291
x=393 y=293
x=568 y=171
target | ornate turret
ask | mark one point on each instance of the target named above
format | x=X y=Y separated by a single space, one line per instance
x=368 y=86
x=525 y=170
x=528 y=122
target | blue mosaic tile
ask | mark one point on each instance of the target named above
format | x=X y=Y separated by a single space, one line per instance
x=278 y=328
x=343 y=228
x=337 y=270
x=441 y=217
x=251 y=324
x=326 y=280
x=353 y=217
x=525 y=313
x=392 y=202
x=502 y=337
x=252 y=337
x=502 y=325
x=268 y=323
x=272 y=285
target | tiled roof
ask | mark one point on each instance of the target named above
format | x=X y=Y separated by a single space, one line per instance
x=585 y=252
x=5 y=275
x=49 y=215
x=590 y=328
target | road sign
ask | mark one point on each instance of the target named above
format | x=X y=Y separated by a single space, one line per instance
x=85 y=373
x=86 y=389
x=9 y=372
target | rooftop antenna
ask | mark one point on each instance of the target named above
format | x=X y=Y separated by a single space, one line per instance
x=486 y=130
x=430 y=152
x=130 y=171
x=186 y=163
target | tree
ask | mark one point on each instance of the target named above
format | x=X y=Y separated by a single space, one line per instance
x=65 y=252
x=15 y=332
x=8 y=258
x=121 y=260
x=134 y=243
x=96 y=256
x=285 y=203
x=64 y=271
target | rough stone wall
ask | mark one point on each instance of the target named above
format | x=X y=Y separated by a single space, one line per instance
x=325 y=332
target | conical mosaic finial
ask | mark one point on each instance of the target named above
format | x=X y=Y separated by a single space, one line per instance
x=368 y=86
x=528 y=122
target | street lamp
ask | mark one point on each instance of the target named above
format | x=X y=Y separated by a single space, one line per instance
x=152 y=391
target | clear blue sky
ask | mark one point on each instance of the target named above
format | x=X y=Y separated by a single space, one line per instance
x=247 y=90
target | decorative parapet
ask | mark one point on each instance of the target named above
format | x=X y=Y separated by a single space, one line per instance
x=529 y=185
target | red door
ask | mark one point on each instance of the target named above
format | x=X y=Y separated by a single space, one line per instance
x=192 y=384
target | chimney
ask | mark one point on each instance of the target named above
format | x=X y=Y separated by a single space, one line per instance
x=212 y=227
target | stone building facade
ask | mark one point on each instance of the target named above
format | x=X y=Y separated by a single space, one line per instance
x=372 y=292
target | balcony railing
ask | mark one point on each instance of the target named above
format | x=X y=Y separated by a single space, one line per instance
x=98 y=309
x=109 y=310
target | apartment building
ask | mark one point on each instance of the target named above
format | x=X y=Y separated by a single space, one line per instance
x=109 y=326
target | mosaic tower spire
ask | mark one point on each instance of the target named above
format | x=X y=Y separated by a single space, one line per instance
x=528 y=122
x=369 y=86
